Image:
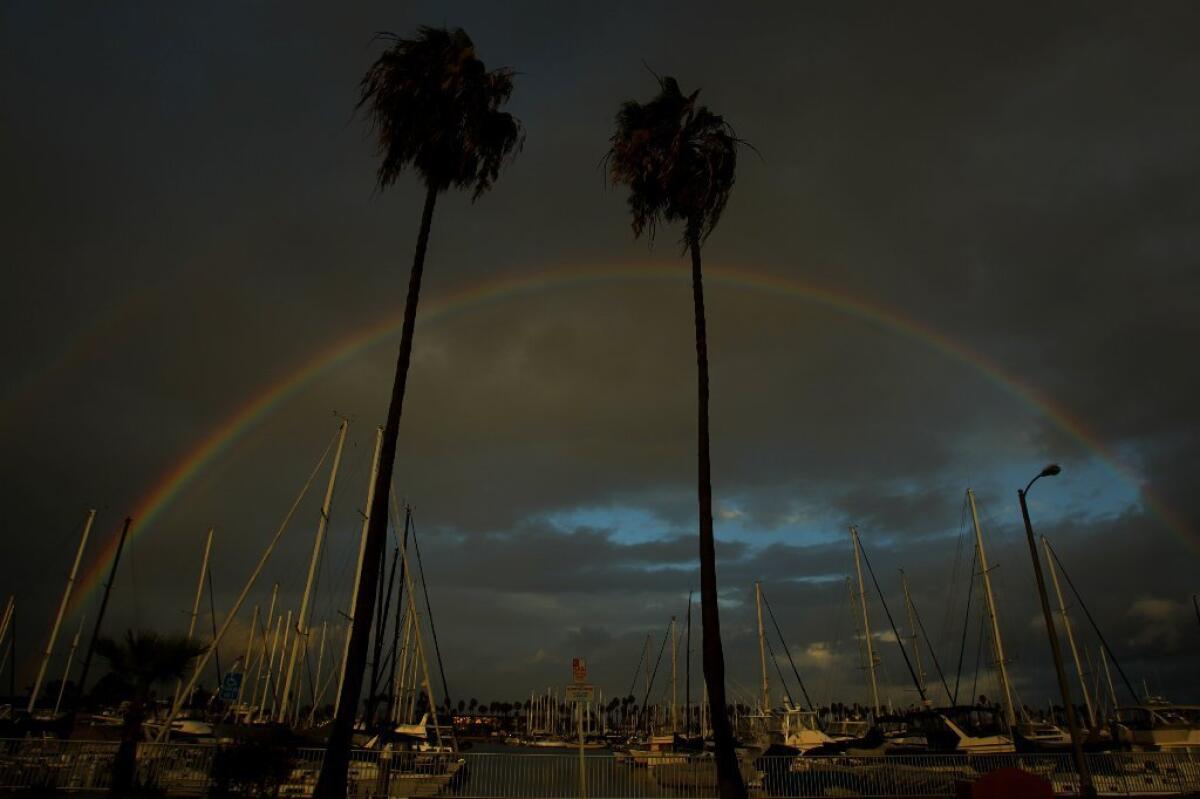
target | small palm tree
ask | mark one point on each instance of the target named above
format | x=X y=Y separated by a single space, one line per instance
x=142 y=660
x=435 y=108
x=678 y=160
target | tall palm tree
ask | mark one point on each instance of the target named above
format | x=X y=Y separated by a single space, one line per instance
x=434 y=108
x=678 y=160
x=141 y=661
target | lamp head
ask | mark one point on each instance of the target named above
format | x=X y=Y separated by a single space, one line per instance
x=1051 y=470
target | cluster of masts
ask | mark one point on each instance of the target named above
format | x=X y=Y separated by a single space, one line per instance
x=279 y=645
x=912 y=653
x=545 y=717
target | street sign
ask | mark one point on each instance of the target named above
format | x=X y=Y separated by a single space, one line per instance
x=579 y=670
x=231 y=686
x=580 y=693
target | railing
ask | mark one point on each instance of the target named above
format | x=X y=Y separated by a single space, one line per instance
x=195 y=769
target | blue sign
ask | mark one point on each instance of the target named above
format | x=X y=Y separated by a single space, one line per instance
x=231 y=686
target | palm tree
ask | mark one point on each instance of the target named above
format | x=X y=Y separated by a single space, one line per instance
x=141 y=661
x=434 y=108
x=678 y=160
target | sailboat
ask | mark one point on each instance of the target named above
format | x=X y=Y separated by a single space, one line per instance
x=417 y=756
x=981 y=728
x=1159 y=726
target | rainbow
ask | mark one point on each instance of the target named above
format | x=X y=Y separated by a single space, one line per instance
x=224 y=435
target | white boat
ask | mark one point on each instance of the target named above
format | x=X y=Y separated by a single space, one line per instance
x=657 y=751
x=974 y=730
x=1044 y=734
x=847 y=729
x=1159 y=727
x=801 y=730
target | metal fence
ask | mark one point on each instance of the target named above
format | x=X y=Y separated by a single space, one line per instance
x=196 y=769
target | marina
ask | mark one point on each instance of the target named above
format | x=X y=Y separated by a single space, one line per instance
x=82 y=768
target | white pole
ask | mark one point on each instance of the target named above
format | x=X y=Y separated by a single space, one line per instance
x=765 y=696
x=912 y=625
x=362 y=548
x=985 y=572
x=1062 y=609
x=237 y=605
x=7 y=618
x=1094 y=673
x=312 y=717
x=196 y=600
x=262 y=708
x=329 y=678
x=420 y=647
x=293 y=715
x=400 y=675
x=302 y=621
x=579 y=733
x=4 y=625
x=246 y=659
x=62 y=610
x=266 y=644
x=1112 y=692
x=283 y=648
x=862 y=597
x=67 y=671
x=674 y=660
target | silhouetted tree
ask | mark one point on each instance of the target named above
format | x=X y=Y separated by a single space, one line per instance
x=678 y=160
x=143 y=659
x=435 y=108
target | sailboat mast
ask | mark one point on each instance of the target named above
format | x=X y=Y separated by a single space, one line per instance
x=6 y=620
x=420 y=648
x=866 y=622
x=1112 y=692
x=9 y=657
x=301 y=637
x=912 y=625
x=1062 y=609
x=62 y=610
x=400 y=671
x=362 y=549
x=647 y=668
x=997 y=641
x=277 y=702
x=62 y=685
x=312 y=717
x=266 y=645
x=674 y=660
x=267 y=681
x=765 y=688
x=196 y=600
x=164 y=731
x=687 y=671
x=246 y=659
x=112 y=576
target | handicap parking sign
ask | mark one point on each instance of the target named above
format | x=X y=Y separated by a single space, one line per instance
x=231 y=686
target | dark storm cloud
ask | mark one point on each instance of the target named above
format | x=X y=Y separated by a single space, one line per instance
x=189 y=214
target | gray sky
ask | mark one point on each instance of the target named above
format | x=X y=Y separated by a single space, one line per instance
x=190 y=218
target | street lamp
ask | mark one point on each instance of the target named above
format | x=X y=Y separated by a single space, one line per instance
x=1085 y=778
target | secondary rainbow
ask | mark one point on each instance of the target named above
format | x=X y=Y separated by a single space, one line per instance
x=223 y=436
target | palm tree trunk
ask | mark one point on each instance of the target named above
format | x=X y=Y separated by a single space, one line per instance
x=331 y=784
x=729 y=776
x=124 y=768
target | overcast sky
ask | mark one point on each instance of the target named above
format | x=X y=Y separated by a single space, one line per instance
x=1004 y=199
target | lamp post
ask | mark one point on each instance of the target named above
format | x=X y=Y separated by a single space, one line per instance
x=1085 y=777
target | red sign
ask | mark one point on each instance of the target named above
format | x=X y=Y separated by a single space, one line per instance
x=579 y=670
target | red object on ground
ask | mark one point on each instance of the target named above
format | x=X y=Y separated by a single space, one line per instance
x=1006 y=783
